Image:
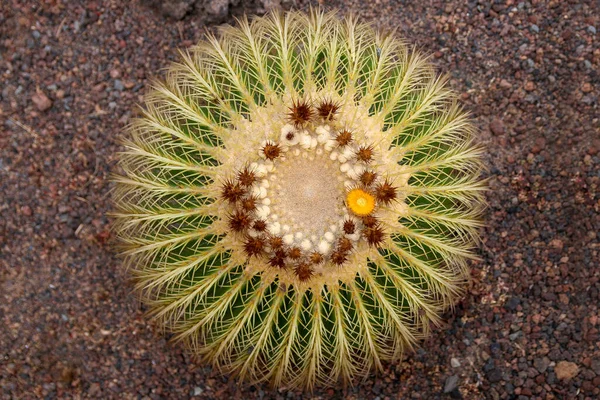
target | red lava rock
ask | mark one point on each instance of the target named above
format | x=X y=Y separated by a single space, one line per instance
x=103 y=236
x=529 y=86
x=565 y=370
x=41 y=101
x=497 y=126
x=557 y=244
x=587 y=87
x=539 y=145
x=526 y=392
x=504 y=84
x=540 y=252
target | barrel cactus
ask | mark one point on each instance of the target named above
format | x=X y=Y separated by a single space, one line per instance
x=298 y=199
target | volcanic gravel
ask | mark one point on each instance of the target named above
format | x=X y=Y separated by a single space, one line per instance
x=528 y=328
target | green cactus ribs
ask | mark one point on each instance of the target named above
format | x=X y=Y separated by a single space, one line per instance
x=299 y=199
x=308 y=196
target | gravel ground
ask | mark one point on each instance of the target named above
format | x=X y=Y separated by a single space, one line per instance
x=529 y=326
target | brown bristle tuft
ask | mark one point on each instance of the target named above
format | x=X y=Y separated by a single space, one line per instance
x=385 y=192
x=247 y=177
x=249 y=203
x=300 y=113
x=367 y=178
x=365 y=153
x=369 y=220
x=327 y=110
x=344 y=245
x=254 y=246
x=276 y=242
x=374 y=235
x=303 y=272
x=271 y=150
x=278 y=259
x=232 y=191
x=344 y=138
x=349 y=227
x=295 y=253
x=239 y=221
x=338 y=257
x=259 y=225
x=316 y=257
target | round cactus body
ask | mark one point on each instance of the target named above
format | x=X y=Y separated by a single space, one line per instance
x=298 y=200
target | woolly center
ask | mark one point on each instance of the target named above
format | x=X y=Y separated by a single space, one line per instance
x=310 y=198
x=307 y=192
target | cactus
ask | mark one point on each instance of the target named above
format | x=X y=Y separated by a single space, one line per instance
x=299 y=199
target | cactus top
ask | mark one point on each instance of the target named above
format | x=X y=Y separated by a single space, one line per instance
x=299 y=198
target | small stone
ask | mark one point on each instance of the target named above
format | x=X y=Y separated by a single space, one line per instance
x=218 y=8
x=271 y=4
x=565 y=370
x=494 y=394
x=535 y=28
x=454 y=362
x=115 y=73
x=41 y=101
x=495 y=375
x=539 y=145
x=496 y=126
x=541 y=364
x=595 y=366
x=198 y=391
x=563 y=298
x=591 y=29
x=94 y=389
x=514 y=336
x=512 y=303
x=451 y=383
x=586 y=87
x=540 y=379
x=119 y=85
x=26 y=210
x=67 y=375
x=504 y=84
x=557 y=244
x=529 y=86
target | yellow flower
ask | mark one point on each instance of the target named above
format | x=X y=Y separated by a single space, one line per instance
x=360 y=202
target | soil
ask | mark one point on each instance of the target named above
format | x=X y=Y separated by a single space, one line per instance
x=72 y=72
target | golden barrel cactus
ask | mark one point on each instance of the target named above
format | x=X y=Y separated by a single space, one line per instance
x=299 y=198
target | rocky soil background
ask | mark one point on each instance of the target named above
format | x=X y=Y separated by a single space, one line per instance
x=72 y=72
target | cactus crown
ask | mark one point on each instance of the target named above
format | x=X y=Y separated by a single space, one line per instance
x=299 y=198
